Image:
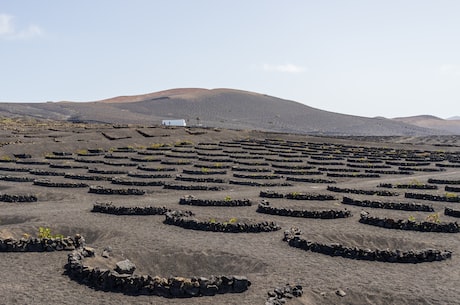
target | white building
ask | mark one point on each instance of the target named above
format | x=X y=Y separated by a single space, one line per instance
x=180 y=122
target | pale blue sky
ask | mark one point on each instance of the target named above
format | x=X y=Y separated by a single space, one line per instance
x=370 y=58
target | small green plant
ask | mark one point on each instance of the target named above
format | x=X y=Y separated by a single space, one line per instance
x=6 y=158
x=227 y=198
x=45 y=232
x=451 y=195
x=204 y=170
x=415 y=182
x=157 y=145
x=217 y=164
x=212 y=220
x=411 y=218
x=434 y=218
x=82 y=152
x=232 y=220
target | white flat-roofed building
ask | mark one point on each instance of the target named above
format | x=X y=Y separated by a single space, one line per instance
x=180 y=122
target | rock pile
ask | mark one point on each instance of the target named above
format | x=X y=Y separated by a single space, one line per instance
x=279 y=295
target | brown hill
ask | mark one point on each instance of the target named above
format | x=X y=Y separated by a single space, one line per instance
x=432 y=122
x=226 y=108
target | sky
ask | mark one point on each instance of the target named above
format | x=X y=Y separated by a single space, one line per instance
x=368 y=58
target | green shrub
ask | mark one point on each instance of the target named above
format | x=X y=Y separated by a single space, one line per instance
x=45 y=232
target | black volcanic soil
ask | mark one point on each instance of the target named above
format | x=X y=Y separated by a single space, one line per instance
x=164 y=250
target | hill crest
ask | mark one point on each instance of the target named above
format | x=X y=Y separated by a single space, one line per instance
x=223 y=108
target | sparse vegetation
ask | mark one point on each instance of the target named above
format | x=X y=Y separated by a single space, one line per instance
x=183 y=143
x=45 y=233
x=451 y=196
x=433 y=218
x=82 y=152
x=6 y=158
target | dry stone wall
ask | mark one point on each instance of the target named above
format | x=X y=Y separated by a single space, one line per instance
x=292 y=237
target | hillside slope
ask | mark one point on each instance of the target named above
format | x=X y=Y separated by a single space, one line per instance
x=225 y=108
x=426 y=121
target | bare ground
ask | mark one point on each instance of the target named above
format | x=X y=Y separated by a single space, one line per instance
x=159 y=249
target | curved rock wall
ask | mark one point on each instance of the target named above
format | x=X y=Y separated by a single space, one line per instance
x=193 y=224
x=424 y=226
x=292 y=237
x=38 y=244
x=432 y=197
x=265 y=208
x=191 y=200
x=452 y=212
x=404 y=206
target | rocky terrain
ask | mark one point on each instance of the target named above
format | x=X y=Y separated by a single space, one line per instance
x=96 y=213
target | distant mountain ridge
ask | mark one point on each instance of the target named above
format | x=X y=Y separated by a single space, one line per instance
x=428 y=121
x=225 y=108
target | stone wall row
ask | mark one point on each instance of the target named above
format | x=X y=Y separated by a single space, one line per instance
x=213 y=226
x=361 y=192
x=38 y=244
x=259 y=184
x=443 y=181
x=452 y=212
x=292 y=237
x=191 y=200
x=109 y=208
x=424 y=226
x=265 y=208
x=453 y=198
x=296 y=196
x=18 y=198
x=109 y=191
x=181 y=187
x=404 y=206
